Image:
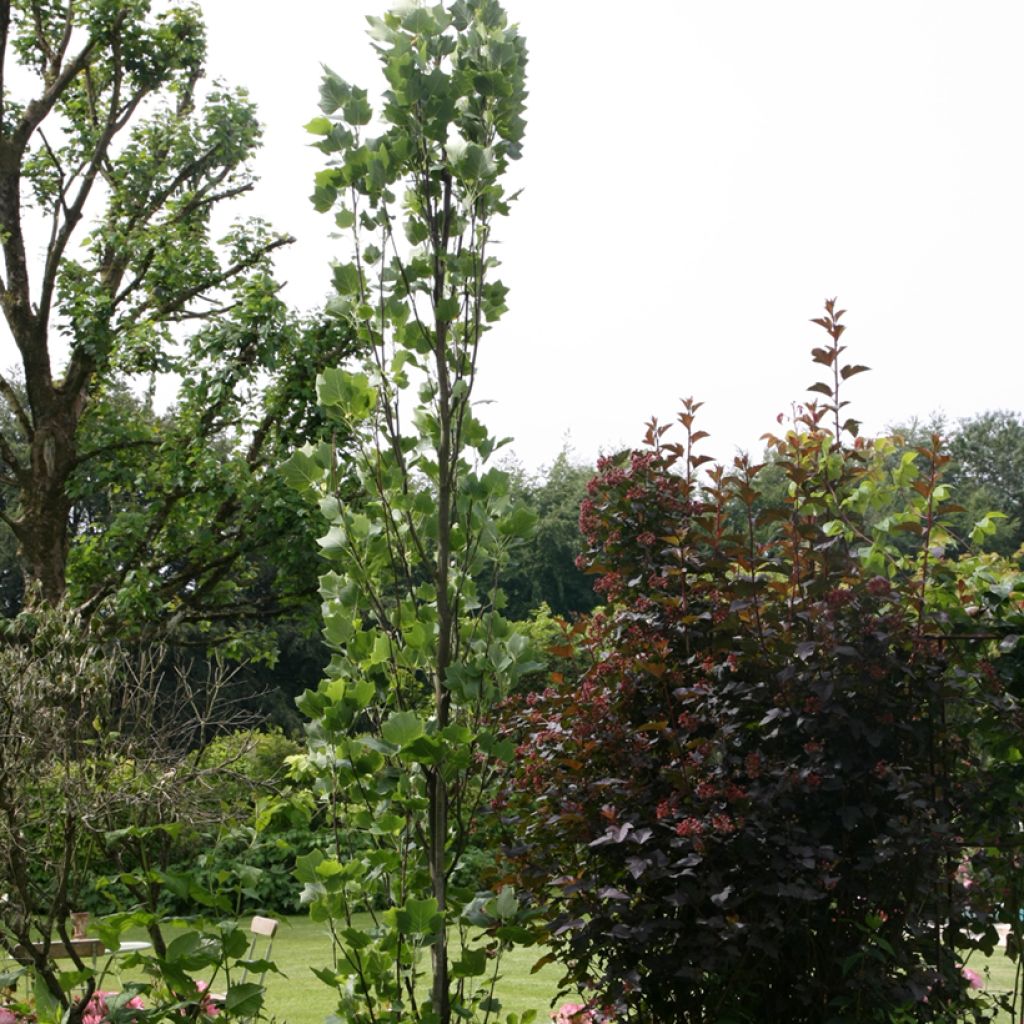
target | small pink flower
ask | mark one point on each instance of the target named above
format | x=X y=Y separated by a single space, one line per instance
x=974 y=979
x=206 y=1003
x=573 y=1013
x=7 y=1016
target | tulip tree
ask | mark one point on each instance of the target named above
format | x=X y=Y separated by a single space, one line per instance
x=399 y=749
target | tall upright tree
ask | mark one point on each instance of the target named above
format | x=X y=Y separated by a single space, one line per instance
x=988 y=471
x=400 y=748
x=112 y=162
x=543 y=570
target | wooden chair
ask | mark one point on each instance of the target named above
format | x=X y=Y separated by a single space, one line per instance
x=261 y=928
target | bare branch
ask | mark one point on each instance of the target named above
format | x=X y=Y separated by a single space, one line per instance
x=65 y=40
x=201 y=314
x=140 y=274
x=204 y=198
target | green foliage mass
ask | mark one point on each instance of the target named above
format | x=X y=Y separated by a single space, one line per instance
x=102 y=768
x=543 y=569
x=110 y=141
x=987 y=473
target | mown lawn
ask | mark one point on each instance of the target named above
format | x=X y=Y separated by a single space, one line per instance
x=298 y=997
x=998 y=972
x=301 y=998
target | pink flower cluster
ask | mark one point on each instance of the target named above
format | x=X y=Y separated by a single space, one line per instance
x=573 y=1013
x=974 y=979
x=97 y=1011
x=207 y=1004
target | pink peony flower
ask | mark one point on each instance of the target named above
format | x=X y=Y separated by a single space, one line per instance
x=7 y=1016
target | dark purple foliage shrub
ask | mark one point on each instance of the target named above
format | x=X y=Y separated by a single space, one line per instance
x=754 y=804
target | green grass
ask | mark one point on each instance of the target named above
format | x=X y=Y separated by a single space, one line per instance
x=998 y=972
x=302 y=998
x=299 y=997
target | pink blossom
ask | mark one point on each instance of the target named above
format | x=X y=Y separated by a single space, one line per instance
x=573 y=1013
x=207 y=1004
x=7 y=1016
x=723 y=823
x=97 y=1011
x=974 y=979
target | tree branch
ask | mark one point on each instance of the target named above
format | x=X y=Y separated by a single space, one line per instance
x=16 y=295
x=116 y=446
x=160 y=517
x=37 y=109
x=81 y=364
x=55 y=251
x=49 y=57
x=5 y=29
x=17 y=408
x=175 y=304
x=8 y=456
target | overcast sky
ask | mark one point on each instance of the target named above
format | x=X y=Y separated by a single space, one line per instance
x=698 y=177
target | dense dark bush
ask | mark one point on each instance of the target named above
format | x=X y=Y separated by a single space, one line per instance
x=754 y=805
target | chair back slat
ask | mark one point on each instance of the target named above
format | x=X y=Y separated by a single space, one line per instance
x=263 y=926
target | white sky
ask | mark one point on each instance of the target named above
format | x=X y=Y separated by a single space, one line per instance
x=698 y=177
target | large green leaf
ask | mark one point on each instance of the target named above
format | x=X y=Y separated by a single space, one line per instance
x=334 y=91
x=419 y=917
x=306 y=865
x=472 y=964
x=402 y=727
x=244 y=1000
x=351 y=393
x=301 y=471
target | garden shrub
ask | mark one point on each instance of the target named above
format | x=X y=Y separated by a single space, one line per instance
x=754 y=804
x=262 y=823
x=100 y=774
